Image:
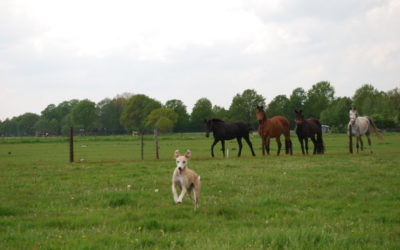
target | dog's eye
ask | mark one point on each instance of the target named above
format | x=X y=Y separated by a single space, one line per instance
x=177 y=161
x=184 y=162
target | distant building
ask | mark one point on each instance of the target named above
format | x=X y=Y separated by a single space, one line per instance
x=326 y=129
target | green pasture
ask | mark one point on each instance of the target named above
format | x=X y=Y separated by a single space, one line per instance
x=110 y=199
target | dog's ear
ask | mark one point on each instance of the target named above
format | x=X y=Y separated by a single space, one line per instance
x=176 y=153
x=188 y=154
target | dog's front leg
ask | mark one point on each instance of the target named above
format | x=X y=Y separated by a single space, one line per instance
x=174 y=193
x=182 y=194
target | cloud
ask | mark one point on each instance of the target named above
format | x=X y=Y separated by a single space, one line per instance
x=53 y=51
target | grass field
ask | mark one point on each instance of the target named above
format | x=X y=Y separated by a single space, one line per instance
x=331 y=201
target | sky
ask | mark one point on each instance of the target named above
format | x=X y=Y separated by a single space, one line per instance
x=53 y=51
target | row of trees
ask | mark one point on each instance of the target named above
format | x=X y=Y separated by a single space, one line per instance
x=126 y=113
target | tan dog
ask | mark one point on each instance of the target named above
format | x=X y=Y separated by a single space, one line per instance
x=186 y=179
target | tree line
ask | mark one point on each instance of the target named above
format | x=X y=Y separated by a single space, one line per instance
x=129 y=113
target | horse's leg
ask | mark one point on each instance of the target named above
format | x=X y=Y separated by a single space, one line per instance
x=357 y=140
x=247 y=139
x=306 y=141
x=263 y=142
x=223 y=147
x=239 y=140
x=267 y=145
x=362 y=144
x=278 y=141
x=315 y=144
x=212 y=147
x=369 y=142
x=302 y=145
x=286 y=147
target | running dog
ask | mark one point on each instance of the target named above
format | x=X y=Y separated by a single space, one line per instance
x=186 y=179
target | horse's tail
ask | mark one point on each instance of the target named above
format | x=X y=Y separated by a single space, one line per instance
x=375 y=128
x=320 y=141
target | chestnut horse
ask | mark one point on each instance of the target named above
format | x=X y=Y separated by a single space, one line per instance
x=273 y=128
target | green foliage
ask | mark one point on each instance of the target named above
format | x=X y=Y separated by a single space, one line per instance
x=84 y=114
x=243 y=105
x=26 y=124
x=183 y=122
x=115 y=116
x=296 y=102
x=383 y=122
x=337 y=114
x=279 y=106
x=163 y=119
x=319 y=97
x=109 y=112
x=220 y=112
x=134 y=113
x=202 y=110
x=365 y=99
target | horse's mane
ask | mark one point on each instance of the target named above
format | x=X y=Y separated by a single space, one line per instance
x=217 y=120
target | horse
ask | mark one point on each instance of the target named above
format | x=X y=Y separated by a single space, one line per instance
x=273 y=128
x=309 y=128
x=358 y=126
x=227 y=131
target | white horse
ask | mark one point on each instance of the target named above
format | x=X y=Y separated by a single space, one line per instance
x=361 y=125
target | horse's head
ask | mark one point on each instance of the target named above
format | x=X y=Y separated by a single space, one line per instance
x=353 y=115
x=209 y=127
x=298 y=116
x=260 y=114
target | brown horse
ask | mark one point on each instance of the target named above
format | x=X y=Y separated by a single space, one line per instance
x=273 y=128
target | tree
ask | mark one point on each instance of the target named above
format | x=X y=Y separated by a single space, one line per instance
x=279 y=106
x=10 y=127
x=55 y=118
x=368 y=100
x=163 y=119
x=394 y=104
x=183 y=122
x=220 y=112
x=319 y=97
x=134 y=113
x=84 y=114
x=337 y=114
x=202 y=110
x=296 y=102
x=26 y=124
x=109 y=112
x=243 y=105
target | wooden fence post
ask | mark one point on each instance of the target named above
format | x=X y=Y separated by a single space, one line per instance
x=141 y=145
x=71 y=144
x=156 y=142
x=350 y=139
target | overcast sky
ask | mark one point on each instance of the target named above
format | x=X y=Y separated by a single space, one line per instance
x=52 y=51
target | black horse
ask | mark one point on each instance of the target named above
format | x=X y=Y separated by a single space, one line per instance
x=227 y=131
x=309 y=128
